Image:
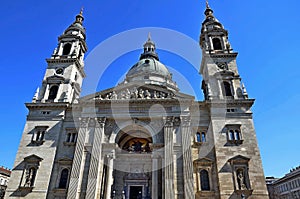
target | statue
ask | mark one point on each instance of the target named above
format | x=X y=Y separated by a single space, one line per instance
x=135 y=93
x=154 y=95
x=27 y=179
x=241 y=183
x=141 y=93
x=114 y=95
x=147 y=94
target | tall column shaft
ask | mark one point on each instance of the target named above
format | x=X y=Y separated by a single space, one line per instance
x=78 y=157
x=109 y=182
x=168 y=166
x=187 y=158
x=95 y=166
x=154 y=177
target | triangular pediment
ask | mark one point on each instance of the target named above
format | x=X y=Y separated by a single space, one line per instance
x=55 y=79
x=65 y=160
x=239 y=159
x=33 y=158
x=136 y=92
x=203 y=161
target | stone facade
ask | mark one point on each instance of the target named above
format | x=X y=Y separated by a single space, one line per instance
x=143 y=138
x=4 y=178
x=287 y=187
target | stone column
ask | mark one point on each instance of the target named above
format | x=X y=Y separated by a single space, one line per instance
x=187 y=158
x=95 y=166
x=77 y=160
x=110 y=169
x=168 y=166
x=154 y=192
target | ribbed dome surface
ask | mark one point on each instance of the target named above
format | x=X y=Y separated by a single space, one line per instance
x=149 y=66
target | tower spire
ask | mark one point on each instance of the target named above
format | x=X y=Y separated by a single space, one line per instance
x=207 y=4
x=79 y=17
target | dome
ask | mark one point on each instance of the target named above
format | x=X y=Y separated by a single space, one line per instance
x=149 y=70
x=149 y=66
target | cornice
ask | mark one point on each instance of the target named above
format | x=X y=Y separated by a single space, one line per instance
x=55 y=105
x=68 y=60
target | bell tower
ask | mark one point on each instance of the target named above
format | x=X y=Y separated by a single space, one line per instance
x=221 y=79
x=65 y=72
x=231 y=131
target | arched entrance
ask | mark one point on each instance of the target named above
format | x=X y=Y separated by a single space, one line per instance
x=133 y=164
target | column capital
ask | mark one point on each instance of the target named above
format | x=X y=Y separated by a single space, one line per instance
x=168 y=121
x=83 y=121
x=101 y=121
x=185 y=120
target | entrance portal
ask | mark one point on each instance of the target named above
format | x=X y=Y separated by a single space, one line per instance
x=136 y=192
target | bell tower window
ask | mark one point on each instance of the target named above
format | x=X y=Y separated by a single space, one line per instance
x=227 y=89
x=53 y=92
x=67 y=49
x=217 y=44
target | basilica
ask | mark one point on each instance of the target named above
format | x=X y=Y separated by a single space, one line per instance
x=144 y=138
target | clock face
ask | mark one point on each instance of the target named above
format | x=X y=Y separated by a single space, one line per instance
x=59 y=71
x=222 y=65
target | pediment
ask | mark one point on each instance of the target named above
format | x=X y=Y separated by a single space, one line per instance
x=65 y=160
x=33 y=158
x=239 y=159
x=136 y=92
x=55 y=79
x=203 y=162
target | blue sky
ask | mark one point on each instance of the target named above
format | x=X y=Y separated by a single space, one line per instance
x=264 y=33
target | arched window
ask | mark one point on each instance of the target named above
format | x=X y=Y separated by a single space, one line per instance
x=198 y=137
x=237 y=135
x=217 y=44
x=203 y=137
x=204 y=178
x=227 y=89
x=67 y=49
x=231 y=135
x=63 y=179
x=53 y=92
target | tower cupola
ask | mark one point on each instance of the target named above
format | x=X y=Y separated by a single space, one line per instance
x=214 y=38
x=149 y=49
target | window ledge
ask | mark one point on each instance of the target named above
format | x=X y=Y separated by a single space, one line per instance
x=235 y=142
x=197 y=144
x=26 y=189
x=246 y=192
x=205 y=193
x=37 y=143
x=69 y=143
x=59 y=192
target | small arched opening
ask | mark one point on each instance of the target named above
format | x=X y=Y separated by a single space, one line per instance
x=227 y=89
x=67 y=49
x=53 y=92
x=217 y=44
